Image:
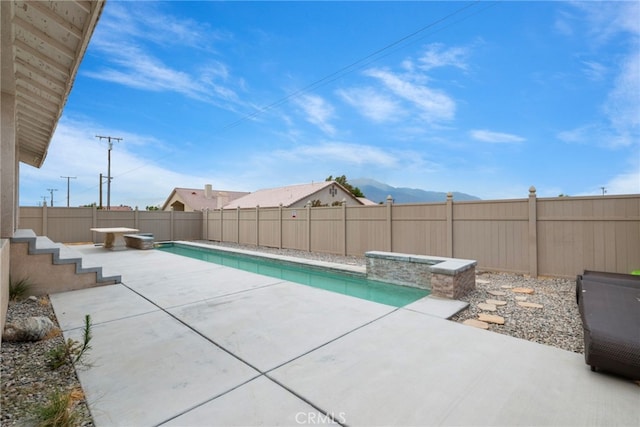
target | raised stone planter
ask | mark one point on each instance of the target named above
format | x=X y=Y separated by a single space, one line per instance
x=444 y=277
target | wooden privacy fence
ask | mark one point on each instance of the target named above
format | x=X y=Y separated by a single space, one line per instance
x=538 y=236
x=551 y=237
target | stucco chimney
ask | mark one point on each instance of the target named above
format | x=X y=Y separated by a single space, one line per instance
x=207 y=191
x=223 y=199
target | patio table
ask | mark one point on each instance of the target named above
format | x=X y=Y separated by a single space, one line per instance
x=114 y=239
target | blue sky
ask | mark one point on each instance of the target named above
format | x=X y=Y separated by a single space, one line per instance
x=482 y=98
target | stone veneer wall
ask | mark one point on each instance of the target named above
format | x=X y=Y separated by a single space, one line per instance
x=456 y=286
x=444 y=277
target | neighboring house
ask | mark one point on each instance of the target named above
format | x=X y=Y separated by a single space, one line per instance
x=323 y=193
x=192 y=199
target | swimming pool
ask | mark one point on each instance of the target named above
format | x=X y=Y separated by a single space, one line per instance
x=347 y=283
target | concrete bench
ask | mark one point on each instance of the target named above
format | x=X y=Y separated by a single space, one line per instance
x=444 y=277
x=139 y=241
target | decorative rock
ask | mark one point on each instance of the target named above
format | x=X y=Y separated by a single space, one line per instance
x=521 y=298
x=491 y=318
x=476 y=323
x=482 y=282
x=530 y=304
x=506 y=287
x=497 y=293
x=496 y=302
x=487 y=307
x=29 y=329
x=33 y=298
x=523 y=290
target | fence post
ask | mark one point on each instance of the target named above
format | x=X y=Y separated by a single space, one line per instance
x=45 y=219
x=136 y=218
x=205 y=229
x=257 y=225
x=308 y=206
x=221 y=224
x=533 y=233
x=171 y=225
x=449 y=214
x=344 y=227
x=280 y=226
x=389 y=224
x=238 y=224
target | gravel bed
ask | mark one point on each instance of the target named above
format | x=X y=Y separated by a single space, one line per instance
x=27 y=380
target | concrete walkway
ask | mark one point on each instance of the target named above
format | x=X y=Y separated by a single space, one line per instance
x=182 y=342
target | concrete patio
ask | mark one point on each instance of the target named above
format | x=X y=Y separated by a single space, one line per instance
x=182 y=342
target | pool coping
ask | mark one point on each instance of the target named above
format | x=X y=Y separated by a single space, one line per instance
x=342 y=268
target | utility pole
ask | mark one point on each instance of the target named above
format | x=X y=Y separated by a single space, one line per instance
x=110 y=140
x=604 y=190
x=51 y=190
x=68 y=178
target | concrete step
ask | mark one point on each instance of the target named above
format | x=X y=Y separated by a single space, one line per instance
x=61 y=254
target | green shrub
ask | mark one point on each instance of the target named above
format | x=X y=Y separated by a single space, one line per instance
x=71 y=350
x=20 y=289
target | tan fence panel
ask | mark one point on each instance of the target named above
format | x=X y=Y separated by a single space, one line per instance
x=367 y=229
x=493 y=233
x=269 y=231
x=187 y=225
x=248 y=234
x=229 y=225
x=327 y=229
x=156 y=222
x=212 y=226
x=69 y=225
x=31 y=219
x=295 y=229
x=588 y=233
x=420 y=229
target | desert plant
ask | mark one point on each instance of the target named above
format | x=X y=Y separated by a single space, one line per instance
x=71 y=350
x=58 y=411
x=19 y=289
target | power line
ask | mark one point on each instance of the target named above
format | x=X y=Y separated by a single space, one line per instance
x=354 y=66
x=368 y=59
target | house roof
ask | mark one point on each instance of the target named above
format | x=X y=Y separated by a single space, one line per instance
x=195 y=198
x=42 y=45
x=287 y=196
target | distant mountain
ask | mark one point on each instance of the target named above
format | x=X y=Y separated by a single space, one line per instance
x=378 y=192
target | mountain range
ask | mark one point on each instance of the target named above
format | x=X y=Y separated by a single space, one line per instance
x=378 y=192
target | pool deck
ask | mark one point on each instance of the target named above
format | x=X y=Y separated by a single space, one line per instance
x=182 y=342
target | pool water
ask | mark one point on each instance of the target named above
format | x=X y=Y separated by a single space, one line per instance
x=343 y=283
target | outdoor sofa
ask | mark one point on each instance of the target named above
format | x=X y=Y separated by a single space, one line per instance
x=609 y=305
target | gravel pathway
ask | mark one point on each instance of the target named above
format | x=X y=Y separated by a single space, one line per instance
x=27 y=381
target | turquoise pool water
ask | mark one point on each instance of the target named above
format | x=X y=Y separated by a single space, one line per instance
x=344 y=283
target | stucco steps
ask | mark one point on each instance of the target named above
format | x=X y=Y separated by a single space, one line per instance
x=61 y=254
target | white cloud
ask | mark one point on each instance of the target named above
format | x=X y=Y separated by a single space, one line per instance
x=438 y=55
x=372 y=104
x=594 y=71
x=622 y=105
x=625 y=183
x=485 y=135
x=124 y=40
x=337 y=152
x=137 y=180
x=435 y=105
x=318 y=112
